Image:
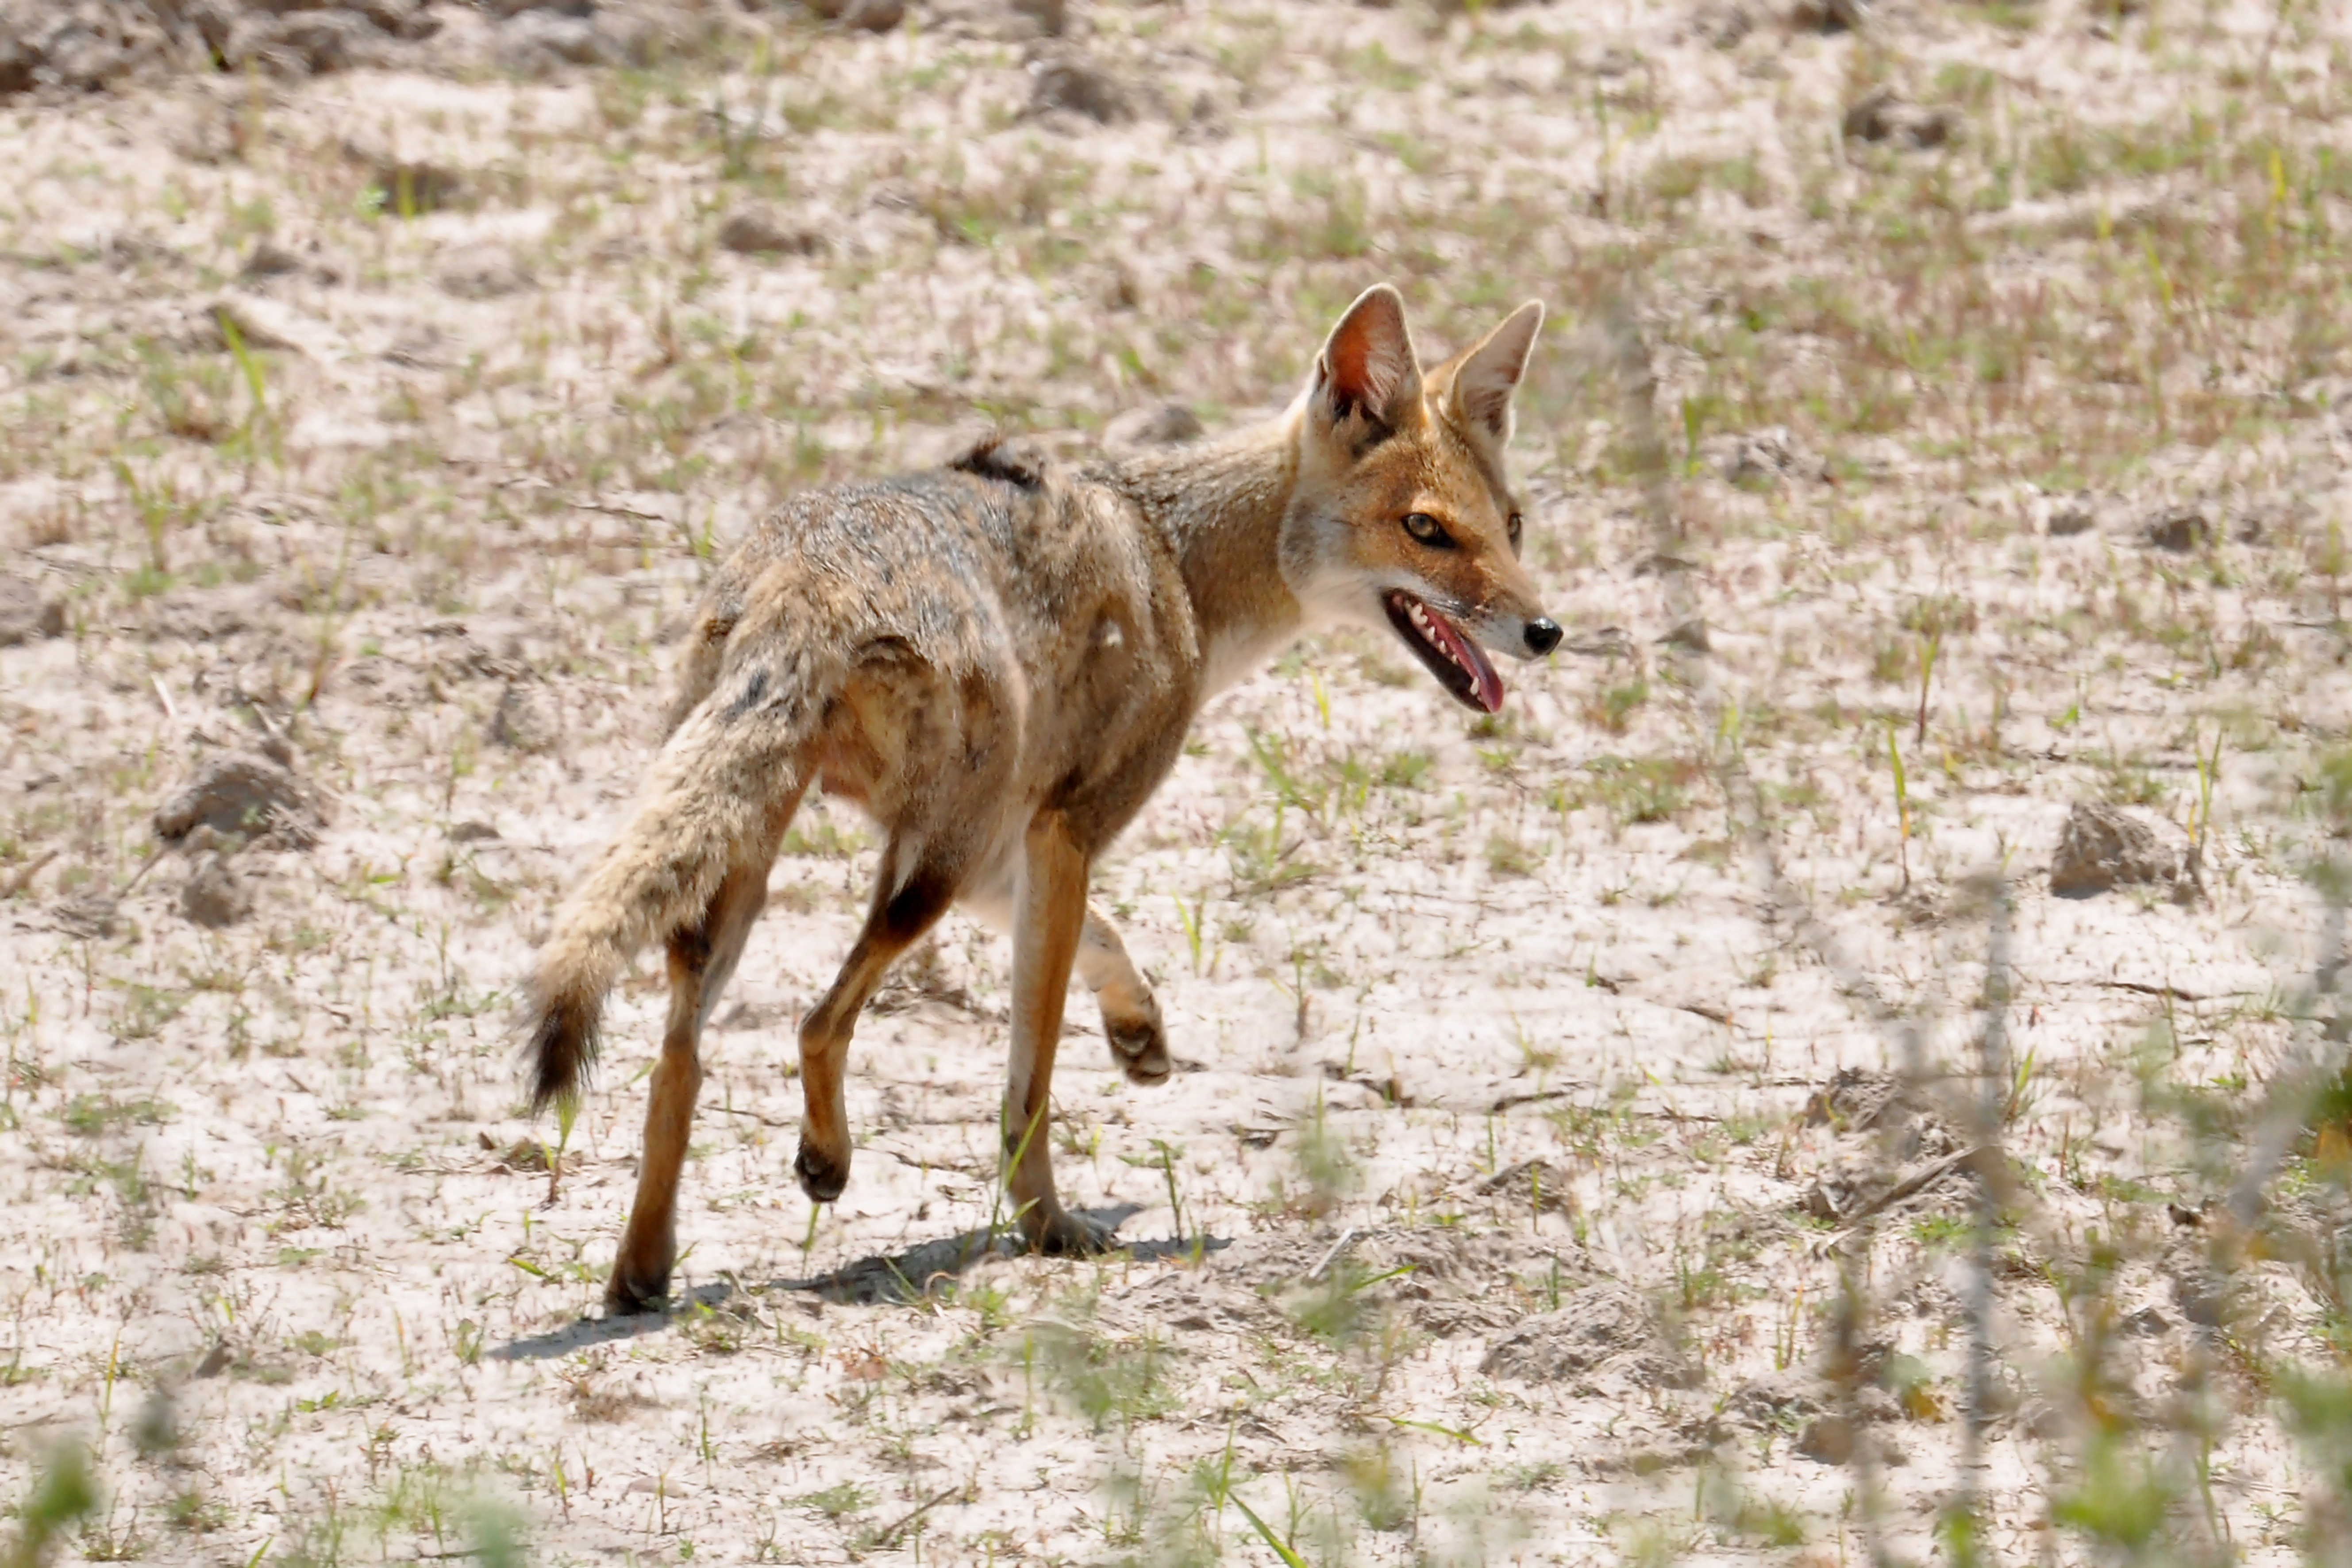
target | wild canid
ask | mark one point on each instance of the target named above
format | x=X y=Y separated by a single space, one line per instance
x=999 y=661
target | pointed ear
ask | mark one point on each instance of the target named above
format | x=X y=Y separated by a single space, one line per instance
x=1485 y=376
x=1367 y=367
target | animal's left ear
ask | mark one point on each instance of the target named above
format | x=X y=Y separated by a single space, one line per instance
x=1486 y=375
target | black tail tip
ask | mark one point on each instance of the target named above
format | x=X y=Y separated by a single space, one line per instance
x=562 y=1047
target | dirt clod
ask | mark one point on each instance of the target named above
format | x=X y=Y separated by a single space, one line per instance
x=1882 y=114
x=27 y=613
x=873 y=16
x=1830 y=16
x=1760 y=458
x=243 y=794
x=1859 y=1099
x=76 y=45
x=2180 y=529
x=526 y=719
x=1602 y=1327
x=1073 y=83
x=482 y=273
x=2071 y=515
x=306 y=43
x=215 y=896
x=402 y=185
x=2104 y=846
x=1827 y=1438
x=1777 y=1398
x=762 y=230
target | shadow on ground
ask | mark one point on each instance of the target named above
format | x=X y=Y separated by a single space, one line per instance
x=921 y=1270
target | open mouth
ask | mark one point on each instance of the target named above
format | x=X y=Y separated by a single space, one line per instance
x=1454 y=658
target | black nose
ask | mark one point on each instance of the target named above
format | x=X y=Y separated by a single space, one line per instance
x=1543 y=635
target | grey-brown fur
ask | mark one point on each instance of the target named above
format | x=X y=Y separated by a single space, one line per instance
x=998 y=661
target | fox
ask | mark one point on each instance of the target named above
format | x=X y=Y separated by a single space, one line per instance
x=998 y=660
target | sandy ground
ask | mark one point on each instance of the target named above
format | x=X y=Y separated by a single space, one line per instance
x=1509 y=1203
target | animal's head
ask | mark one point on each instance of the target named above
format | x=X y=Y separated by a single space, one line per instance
x=1402 y=515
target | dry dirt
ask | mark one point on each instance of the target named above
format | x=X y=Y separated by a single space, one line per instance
x=1540 y=1182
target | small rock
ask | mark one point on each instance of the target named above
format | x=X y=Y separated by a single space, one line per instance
x=1882 y=114
x=1690 y=635
x=405 y=19
x=156 y=1431
x=1830 y=16
x=1779 y=1397
x=763 y=231
x=408 y=185
x=473 y=833
x=534 y=43
x=27 y=613
x=1603 y=1324
x=1073 y=83
x=1858 y=1098
x=260 y=323
x=1827 y=1438
x=215 y=896
x=1157 y=425
x=2102 y=847
x=505 y=8
x=646 y=32
x=87 y=914
x=2201 y=1292
x=482 y=273
x=873 y=16
x=526 y=718
x=75 y=45
x=2147 y=1322
x=1005 y=21
x=2180 y=529
x=1761 y=457
x=2073 y=515
x=306 y=43
x=1724 y=25
x=269 y=259
x=1873 y=1403
x=241 y=792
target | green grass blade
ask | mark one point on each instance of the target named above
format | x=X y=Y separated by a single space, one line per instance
x=1265 y=1533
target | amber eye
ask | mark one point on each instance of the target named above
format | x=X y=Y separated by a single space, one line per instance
x=1428 y=529
x=1518 y=525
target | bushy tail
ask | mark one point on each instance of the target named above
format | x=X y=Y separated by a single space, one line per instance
x=728 y=772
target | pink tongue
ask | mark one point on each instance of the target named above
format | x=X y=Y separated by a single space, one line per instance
x=1489 y=684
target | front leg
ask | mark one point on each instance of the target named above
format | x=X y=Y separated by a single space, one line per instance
x=1048 y=923
x=1130 y=1014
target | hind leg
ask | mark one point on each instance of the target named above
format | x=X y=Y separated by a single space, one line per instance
x=895 y=923
x=1130 y=1014
x=700 y=960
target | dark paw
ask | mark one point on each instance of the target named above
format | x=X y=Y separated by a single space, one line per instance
x=1139 y=1043
x=1058 y=1232
x=820 y=1179
x=626 y=1294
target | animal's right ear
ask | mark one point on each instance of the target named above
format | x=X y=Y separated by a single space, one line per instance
x=1367 y=381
